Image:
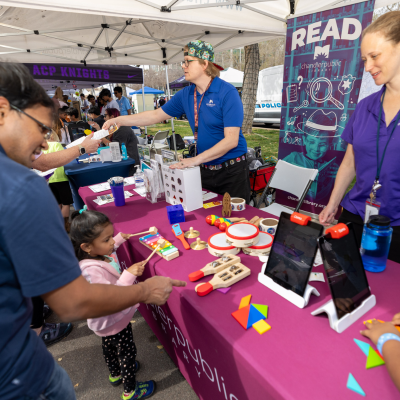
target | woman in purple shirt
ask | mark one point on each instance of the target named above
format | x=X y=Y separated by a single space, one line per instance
x=380 y=50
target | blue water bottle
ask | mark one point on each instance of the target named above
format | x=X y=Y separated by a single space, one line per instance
x=124 y=152
x=375 y=243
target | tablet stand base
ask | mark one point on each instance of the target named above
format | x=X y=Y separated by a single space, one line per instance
x=340 y=325
x=299 y=301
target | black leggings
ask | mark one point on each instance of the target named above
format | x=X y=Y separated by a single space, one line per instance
x=358 y=224
x=120 y=355
x=37 y=316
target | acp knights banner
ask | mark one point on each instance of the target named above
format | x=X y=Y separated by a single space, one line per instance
x=321 y=83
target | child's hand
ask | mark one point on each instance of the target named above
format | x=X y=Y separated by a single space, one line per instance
x=137 y=269
x=126 y=236
x=375 y=329
x=396 y=319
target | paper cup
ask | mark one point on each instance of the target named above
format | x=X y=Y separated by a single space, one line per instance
x=238 y=204
x=269 y=225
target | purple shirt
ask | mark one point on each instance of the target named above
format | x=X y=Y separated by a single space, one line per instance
x=361 y=133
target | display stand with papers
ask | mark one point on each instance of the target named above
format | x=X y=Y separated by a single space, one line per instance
x=292 y=254
x=339 y=325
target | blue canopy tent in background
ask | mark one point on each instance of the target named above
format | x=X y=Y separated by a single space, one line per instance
x=147 y=90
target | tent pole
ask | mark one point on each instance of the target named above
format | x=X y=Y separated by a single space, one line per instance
x=172 y=120
x=144 y=104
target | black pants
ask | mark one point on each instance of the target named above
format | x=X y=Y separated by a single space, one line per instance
x=119 y=351
x=37 y=316
x=358 y=224
x=233 y=179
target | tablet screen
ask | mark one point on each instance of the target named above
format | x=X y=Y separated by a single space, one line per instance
x=345 y=272
x=292 y=254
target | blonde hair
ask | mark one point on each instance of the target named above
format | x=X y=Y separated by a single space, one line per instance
x=56 y=135
x=388 y=24
x=212 y=71
x=59 y=93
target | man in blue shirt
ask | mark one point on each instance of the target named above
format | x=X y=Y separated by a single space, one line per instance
x=216 y=121
x=123 y=102
x=36 y=255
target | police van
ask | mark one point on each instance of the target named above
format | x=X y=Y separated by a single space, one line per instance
x=269 y=96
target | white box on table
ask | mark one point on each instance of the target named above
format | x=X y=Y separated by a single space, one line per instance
x=183 y=186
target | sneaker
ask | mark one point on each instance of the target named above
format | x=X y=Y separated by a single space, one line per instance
x=118 y=380
x=143 y=390
x=47 y=311
x=53 y=333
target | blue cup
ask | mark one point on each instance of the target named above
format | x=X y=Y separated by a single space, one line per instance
x=118 y=194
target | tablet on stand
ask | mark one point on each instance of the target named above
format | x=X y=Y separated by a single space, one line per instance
x=351 y=295
x=291 y=258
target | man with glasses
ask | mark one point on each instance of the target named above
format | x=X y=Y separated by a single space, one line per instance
x=123 y=102
x=215 y=113
x=36 y=255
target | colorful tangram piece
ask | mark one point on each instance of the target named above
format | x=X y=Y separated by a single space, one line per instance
x=252 y=315
x=363 y=346
x=373 y=359
x=353 y=385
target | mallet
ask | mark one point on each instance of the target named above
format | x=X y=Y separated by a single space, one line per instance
x=153 y=230
x=160 y=244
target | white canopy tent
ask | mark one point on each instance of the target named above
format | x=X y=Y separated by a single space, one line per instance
x=233 y=76
x=148 y=32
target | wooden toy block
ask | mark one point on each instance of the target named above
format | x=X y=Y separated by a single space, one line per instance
x=261 y=326
x=226 y=205
x=214 y=267
x=168 y=257
x=242 y=316
x=245 y=301
x=224 y=279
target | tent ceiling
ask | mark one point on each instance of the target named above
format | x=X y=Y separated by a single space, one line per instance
x=137 y=31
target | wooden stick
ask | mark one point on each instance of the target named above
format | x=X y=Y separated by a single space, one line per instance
x=257 y=223
x=153 y=230
x=254 y=219
x=160 y=243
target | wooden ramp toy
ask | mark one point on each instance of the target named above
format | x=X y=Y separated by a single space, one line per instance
x=214 y=267
x=224 y=279
x=168 y=251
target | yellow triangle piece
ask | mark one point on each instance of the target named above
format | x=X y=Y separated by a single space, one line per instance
x=369 y=320
x=245 y=301
x=261 y=326
x=373 y=359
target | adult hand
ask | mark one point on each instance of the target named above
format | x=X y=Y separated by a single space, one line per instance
x=185 y=163
x=327 y=215
x=375 y=329
x=137 y=269
x=94 y=125
x=90 y=145
x=112 y=121
x=159 y=288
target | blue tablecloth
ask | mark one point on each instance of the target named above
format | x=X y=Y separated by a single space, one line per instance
x=80 y=175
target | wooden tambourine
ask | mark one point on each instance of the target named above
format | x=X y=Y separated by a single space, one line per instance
x=262 y=248
x=242 y=234
x=218 y=247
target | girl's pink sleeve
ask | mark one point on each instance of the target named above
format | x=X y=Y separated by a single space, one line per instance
x=118 y=241
x=126 y=279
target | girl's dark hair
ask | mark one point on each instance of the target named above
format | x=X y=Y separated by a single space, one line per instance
x=85 y=228
x=20 y=89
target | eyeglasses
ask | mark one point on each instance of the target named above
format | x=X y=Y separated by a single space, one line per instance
x=45 y=130
x=186 y=63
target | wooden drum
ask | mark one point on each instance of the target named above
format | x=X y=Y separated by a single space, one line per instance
x=242 y=234
x=218 y=247
x=262 y=248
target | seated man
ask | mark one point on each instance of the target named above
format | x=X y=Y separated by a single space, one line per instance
x=74 y=115
x=98 y=119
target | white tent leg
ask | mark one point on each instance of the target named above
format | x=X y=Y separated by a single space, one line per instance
x=172 y=120
x=144 y=103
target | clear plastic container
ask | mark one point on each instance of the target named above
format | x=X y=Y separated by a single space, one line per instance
x=375 y=243
x=139 y=179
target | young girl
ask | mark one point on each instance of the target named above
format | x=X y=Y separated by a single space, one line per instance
x=92 y=237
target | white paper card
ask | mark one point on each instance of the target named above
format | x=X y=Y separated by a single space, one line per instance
x=317 y=277
x=318 y=259
x=97 y=136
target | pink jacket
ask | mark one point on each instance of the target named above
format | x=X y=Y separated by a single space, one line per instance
x=96 y=271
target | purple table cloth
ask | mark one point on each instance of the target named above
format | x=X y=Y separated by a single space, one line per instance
x=301 y=357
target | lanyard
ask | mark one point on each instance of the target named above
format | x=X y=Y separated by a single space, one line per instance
x=196 y=111
x=379 y=164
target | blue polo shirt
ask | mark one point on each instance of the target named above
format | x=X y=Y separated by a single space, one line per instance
x=124 y=105
x=361 y=132
x=36 y=257
x=221 y=108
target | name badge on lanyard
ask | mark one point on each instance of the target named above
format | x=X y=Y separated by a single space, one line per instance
x=372 y=206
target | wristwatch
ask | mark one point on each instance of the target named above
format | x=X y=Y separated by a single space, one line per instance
x=82 y=150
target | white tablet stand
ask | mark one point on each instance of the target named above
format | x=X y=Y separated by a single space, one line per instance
x=297 y=300
x=340 y=325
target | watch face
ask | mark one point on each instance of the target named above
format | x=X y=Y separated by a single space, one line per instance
x=82 y=150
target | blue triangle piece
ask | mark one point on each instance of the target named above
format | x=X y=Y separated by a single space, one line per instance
x=363 y=346
x=353 y=385
x=254 y=316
